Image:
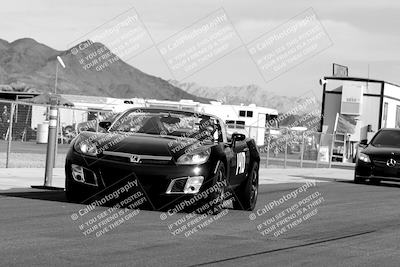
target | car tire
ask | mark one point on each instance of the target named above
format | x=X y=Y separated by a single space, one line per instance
x=375 y=181
x=214 y=207
x=358 y=180
x=72 y=193
x=246 y=194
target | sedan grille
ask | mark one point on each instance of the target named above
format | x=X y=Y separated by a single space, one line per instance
x=382 y=162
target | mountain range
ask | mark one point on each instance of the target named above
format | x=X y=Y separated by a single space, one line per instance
x=26 y=64
x=246 y=94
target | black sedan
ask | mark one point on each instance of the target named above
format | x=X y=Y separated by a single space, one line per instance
x=170 y=157
x=380 y=159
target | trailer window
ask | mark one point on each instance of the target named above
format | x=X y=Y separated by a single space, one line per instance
x=270 y=121
x=230 y=124
x=234 y=124
x=239 y=124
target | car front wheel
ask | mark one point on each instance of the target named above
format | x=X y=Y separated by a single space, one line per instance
x=358 y=180
x=246 y=194
x=72 y=193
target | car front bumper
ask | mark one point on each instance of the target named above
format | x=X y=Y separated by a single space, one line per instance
x=154 y=180
x=371 y=171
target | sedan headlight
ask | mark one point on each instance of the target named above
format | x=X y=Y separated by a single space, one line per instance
x=84 y=147
x=194 y=157
x=364 y=157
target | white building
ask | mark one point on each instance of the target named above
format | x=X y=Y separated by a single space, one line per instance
x=373 y=104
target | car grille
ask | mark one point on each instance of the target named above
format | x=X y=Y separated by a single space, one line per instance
x=111 y=175
x=381 y=161
x=151 y=184
x=144 y=159
x=382 y=169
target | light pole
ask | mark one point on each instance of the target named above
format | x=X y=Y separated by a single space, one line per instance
x=61 y=62
x=52 y=137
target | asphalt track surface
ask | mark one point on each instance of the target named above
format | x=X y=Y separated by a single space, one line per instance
x=355 y=225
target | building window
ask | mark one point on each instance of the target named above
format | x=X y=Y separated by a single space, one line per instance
x=249 y=113
x=397 y=117
x=242 y=113
x=385 y=114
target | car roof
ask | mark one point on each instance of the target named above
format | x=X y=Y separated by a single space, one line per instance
x=390 y=129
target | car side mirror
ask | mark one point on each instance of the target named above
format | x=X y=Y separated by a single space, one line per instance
x=105 y=124
x=237 y=137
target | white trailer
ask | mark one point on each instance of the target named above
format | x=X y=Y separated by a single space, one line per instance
x=249 y=120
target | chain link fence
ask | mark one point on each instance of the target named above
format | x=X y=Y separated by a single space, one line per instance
x=24 y=132
x=306 y=149
x=286 y=148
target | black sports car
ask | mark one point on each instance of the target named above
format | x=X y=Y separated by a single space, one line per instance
x=173 y=157
x=380 y=159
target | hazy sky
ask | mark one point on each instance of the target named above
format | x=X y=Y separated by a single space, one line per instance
x=363 y=32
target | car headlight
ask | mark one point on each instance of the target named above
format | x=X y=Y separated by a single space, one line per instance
x=364 y=157
x=194 y=157
x=84 y=147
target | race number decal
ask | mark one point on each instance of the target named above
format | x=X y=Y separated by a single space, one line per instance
x=240 y=162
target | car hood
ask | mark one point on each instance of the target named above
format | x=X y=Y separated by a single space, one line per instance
x=142 y=144
x=381 y=151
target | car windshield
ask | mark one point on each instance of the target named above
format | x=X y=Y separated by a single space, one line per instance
x=386 y=138
x=167 y=123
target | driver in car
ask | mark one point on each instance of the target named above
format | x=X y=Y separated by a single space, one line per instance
x=207 y=130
